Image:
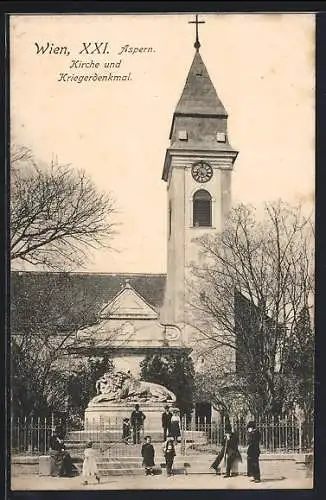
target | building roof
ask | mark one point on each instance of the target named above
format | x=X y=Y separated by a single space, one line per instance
x=128 y=303
x=104 y=286
x=74 y=298
x=199 y=95
x=199 y=122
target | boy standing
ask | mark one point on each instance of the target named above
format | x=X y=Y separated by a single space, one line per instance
x=169 y=454
x=148 y=453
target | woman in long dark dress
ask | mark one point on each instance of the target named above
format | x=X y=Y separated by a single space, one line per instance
x=229 y=453
x=62 y=461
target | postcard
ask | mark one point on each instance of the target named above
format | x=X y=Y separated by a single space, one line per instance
x=162 y=251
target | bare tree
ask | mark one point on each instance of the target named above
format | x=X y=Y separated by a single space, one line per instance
x=57 y=213
x=249 y=294
x=19 y=154
x=51 y=316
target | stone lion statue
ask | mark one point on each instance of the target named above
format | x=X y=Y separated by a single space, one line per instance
x=123 y=387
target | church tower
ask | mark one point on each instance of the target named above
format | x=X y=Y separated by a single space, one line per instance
x=197 y=171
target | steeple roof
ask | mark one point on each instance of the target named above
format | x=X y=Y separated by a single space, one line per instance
x=199 y=95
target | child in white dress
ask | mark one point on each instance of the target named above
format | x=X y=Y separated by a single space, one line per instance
x=89 y=464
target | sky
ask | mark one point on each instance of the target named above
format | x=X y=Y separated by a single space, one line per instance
x=262 y=66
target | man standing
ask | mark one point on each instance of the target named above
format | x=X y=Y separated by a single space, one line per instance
x=166 y=422
x=137 y=423
x=253 y=452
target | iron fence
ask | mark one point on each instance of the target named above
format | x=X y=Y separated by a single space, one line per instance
x=31 y=436
x=289 y=435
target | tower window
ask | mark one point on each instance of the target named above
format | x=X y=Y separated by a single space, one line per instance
x=183 y=135
x=220 y=137
x=202 y=208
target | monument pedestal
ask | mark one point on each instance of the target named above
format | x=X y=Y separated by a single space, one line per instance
x=106 y=420
x=109 y=416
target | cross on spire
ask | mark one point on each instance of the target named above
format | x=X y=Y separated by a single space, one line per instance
x=196 y=22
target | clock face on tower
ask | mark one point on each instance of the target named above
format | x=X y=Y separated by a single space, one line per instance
x=201 y=171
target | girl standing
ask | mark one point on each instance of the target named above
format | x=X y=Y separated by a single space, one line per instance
x=89 y=464
x=175 y=426
x=148 y=454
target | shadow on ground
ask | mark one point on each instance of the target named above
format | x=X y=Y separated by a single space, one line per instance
x=270 y=480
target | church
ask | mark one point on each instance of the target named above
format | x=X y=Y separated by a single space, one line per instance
x=131 y=315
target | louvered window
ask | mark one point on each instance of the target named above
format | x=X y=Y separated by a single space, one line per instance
x=202 y=208
x=183 y=135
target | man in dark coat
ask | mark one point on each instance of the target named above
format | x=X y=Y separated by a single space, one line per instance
x=148 y=453
x=229 y=452
x=137 y=423
x=166 y=422
x=253 y=452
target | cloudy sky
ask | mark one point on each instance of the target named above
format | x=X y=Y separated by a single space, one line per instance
x=262 y=67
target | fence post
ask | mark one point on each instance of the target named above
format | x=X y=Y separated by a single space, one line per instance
x=101 y=434
x=109 y=434
x=300 y=435
x=25 y=433
x=38 y=434
x=12 y=432
x=184 y=438
x=30 y=437
x=18 y=434
x=294 y=432
x=45 y=435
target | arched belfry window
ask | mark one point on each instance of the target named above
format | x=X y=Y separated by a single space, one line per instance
x=202 y=208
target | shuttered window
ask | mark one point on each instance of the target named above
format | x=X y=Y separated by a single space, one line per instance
x=202 y=208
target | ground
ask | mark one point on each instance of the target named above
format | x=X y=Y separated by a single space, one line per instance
x=282 y=475
x=194 y=481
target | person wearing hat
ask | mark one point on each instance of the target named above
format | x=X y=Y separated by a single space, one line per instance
x=166 y=421
x=229 y=453
x=137 y=423
x=62 y=462
x=253 y=452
